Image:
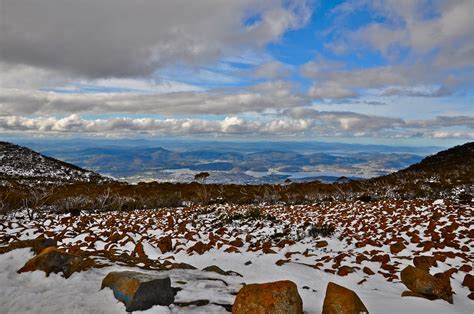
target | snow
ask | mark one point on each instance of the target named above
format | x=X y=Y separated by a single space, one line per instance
x=381 y=222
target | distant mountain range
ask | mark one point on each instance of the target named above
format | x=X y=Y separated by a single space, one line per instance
x=227 y=165
x=447 y=173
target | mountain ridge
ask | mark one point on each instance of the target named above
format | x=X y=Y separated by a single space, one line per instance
x=23 y=164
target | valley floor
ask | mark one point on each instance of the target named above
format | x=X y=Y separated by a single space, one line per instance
x=370 y=245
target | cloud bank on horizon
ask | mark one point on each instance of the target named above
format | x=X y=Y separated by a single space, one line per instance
x=272 y=68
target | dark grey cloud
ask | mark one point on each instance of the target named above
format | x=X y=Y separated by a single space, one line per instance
x=117 y=38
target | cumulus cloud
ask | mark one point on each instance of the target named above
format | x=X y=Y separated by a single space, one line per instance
x=423 y=43
x=345 y=120
x=117 y=38
x=75 y=124
x=294 y=122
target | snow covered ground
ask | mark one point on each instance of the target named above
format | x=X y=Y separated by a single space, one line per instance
x=262 y=244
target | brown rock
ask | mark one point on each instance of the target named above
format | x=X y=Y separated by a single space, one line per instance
x=421 y=282
x=424 y=262
x=165 y=244
x=237 y=242
x=54 y=260
x=381 y=258
x=232 y=249
x=321 y=244
x=139 y=251
x=281 y=262
x=344 y=270
x=465 y=268
x=285 y=242
x=199 y=248
x=468 y=282
x=340 y=300
x=278 y=297
x=368 y=271
x=397 y=248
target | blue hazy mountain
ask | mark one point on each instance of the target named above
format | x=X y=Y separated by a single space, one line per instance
x=232 y=162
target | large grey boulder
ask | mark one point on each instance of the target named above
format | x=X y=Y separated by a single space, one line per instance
x=140 y=291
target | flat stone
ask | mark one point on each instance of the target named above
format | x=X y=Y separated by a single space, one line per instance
x=139 y=291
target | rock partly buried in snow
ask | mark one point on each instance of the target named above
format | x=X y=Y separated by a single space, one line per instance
x=277 y=297
x=54 y=260
x=340 y=300
x=220 y=271
x=424 y=285
x=139 y=291
x=321 y=244
x=165 y=244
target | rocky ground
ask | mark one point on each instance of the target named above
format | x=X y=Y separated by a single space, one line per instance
x=361 y=246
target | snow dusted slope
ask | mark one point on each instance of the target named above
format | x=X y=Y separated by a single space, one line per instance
x=371 y=244
x=24 y=165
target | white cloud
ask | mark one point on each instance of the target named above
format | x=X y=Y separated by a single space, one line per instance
x=218 y=102
x=330 y=90
x=271 y=70
x=295 y=122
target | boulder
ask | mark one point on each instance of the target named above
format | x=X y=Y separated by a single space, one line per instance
x=279 y=297
x=139 y=291
x=422 y=283
x=54 y=260
x=340 y=300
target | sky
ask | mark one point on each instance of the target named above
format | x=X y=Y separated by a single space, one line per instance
x=381 y=71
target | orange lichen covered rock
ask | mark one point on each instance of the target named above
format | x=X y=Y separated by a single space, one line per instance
x=54 y=260
x=421 y=282
x=340 y=300
x=277 y=297
x=139 y=291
